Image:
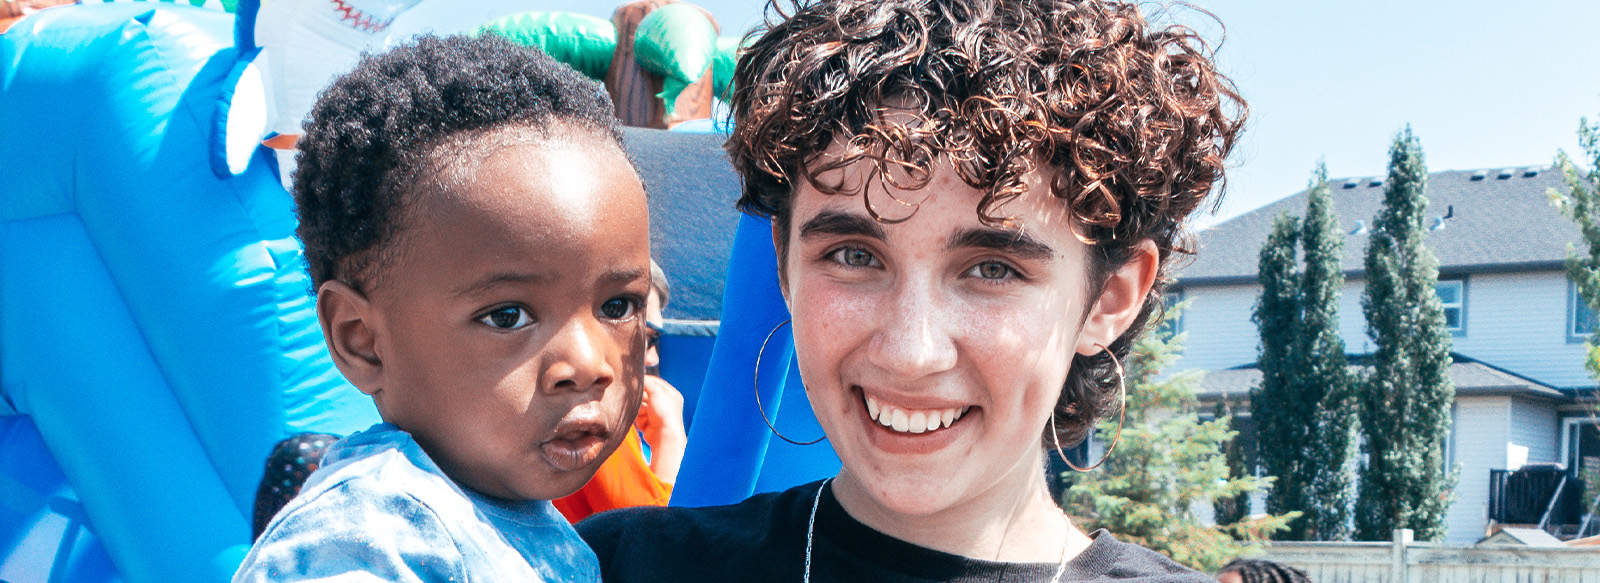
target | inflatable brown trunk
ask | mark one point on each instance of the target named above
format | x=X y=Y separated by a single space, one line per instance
x=634 y=89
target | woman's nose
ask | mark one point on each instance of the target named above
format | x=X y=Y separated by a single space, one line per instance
x=914 y=339
x=579 y=357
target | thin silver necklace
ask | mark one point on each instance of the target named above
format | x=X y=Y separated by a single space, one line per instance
x=811 y=528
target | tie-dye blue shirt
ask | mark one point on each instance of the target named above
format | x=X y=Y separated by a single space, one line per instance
x=380 y=510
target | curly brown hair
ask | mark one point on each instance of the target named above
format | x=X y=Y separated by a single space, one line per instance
x=1134 y=119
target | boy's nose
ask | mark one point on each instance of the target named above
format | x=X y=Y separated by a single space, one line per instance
x=579 y=358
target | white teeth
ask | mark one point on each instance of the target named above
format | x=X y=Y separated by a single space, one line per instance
x=919 y=423
x=904 y=421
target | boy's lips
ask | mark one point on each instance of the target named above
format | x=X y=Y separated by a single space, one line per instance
x=576 y=442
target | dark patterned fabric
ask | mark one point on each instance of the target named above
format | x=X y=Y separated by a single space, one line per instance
x=290 y=463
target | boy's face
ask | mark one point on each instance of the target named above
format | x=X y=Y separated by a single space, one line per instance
x=508 y=335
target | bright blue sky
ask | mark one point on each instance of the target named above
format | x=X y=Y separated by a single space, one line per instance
x=1484 y=84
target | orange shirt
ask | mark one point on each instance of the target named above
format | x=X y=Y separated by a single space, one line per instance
x=623 y=481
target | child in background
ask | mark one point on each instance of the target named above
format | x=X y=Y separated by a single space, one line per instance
x=478 y=242
x=627 y=479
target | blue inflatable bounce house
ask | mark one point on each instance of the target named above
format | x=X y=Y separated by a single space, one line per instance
x=157 y=337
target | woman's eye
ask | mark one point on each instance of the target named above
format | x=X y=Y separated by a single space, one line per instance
x=618 y=308
x=507 y=318
x=854 y=257
x=993 y=270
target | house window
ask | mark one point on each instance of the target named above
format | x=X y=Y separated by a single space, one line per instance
x=1453 y=298
x=1580 y=317
x=1580 y=445
x=1173 y=323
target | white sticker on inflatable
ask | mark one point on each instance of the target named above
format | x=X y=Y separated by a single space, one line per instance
x=309 y=42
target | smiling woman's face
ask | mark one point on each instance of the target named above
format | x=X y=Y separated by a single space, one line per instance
x=934 y=349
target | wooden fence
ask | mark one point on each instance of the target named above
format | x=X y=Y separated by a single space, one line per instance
x=1404 y=561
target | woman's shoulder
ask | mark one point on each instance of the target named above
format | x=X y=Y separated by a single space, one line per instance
x=1109 y=559
x=675 y=541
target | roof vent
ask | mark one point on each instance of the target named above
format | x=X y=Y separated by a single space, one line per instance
x=1351 y=183
x=1479 y=175
x=1361 y=228
x=1530 y=172
x=1438 y=224
x=1504 y=174
x=1375 y=182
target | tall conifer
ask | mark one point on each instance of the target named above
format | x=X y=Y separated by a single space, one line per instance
x=1324 y=373
x=1407 y=396
x=1303 y=408
x=1281 y=415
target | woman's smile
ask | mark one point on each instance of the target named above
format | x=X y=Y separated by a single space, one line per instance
x=912 y=426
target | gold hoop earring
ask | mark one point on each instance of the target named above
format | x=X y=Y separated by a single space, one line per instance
x=755 y=382
x=1122 y=385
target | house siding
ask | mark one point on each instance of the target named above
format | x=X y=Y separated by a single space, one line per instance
x=1481 y=432
x=1537 y=426
x=1513 y=321
x=1518 y=322
x=1220 y=333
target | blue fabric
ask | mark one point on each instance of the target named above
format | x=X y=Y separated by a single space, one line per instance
x=380 y=510
x=731 y=452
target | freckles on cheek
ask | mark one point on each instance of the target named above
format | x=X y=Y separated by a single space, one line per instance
x=828 y=321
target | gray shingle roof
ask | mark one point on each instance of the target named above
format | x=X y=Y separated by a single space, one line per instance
x=1470 y=377
x=1502 y=219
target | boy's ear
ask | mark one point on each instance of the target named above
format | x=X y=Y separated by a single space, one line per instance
x=352 y=333
x=1121 y=300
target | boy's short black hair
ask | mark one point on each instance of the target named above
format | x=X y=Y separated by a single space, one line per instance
x=1262 y=571
x=373 y=137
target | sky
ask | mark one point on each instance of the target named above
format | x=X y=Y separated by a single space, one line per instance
x=1482 y=84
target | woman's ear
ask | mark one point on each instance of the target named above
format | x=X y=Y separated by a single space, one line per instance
x=1121 y=299
x=352 y=333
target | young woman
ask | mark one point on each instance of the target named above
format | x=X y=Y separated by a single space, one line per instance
x=973 y=202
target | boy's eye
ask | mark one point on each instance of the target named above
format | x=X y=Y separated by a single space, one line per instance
x=507 y=318
x=854 y=257
x=992 y=270
x=617 y=308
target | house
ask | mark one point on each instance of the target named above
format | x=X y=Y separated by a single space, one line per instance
x=1518 y=328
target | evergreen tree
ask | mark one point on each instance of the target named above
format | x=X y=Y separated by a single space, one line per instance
x=1166 y=461
x=1405 y=400
x=1230 y=510
x=1324 y=373
x=1283 y=418
x=1303 y=407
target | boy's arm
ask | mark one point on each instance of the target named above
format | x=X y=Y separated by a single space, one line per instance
x=346 y=534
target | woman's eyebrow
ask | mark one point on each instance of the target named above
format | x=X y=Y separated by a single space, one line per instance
x=1011 y=242
x=841 y=224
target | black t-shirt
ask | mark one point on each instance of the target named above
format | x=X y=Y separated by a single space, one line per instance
x=764 y=539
